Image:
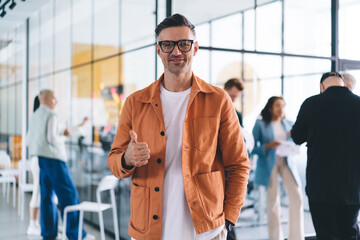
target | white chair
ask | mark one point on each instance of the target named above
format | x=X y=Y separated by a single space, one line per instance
x=7 y=176
x=107 y=183
x=24 y=186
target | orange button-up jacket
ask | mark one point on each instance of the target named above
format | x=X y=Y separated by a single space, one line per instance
x=211 y=143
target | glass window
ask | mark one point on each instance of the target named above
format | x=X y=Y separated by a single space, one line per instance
x=249 y=30
x=62 y=86
x=4 y=61
x=227 y=32
x=81 y=102
x=34 y=46
x=161 y=10
x=308 y=27
x=302 y=79
x=18 y=109
x=106 y=28
x=297 y=89
x=262 y=81
x=47 y=82
x=305 y=66
x=261 y=66
x=4 y=110
x=11 y=109
x=349 y=37
x=20 y=49
x=137 y=31
x=11 y=60
x=106 y=93
x=203 y=34
x=81 y=32
x=201 y=63
x=46 y=38
x=268 y=27
x=225 y=65
x=138 y=70
x=62 y=35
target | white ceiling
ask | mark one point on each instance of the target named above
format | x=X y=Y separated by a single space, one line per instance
x=19 y=13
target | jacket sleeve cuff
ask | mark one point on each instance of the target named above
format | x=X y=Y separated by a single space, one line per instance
x=126 y=171
x=231 y=214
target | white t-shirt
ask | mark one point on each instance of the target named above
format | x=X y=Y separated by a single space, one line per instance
x=279 y=131
x=176 y=218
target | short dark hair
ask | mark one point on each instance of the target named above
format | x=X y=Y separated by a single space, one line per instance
x=330 y=74
x=234 y=82
x=176 y=20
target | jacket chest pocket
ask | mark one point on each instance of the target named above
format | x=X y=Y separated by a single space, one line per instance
x=206 y=133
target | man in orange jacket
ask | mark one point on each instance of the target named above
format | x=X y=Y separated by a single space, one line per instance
x=175 y=138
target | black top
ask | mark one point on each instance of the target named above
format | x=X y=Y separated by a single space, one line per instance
x=240 y=118
x=330 y=124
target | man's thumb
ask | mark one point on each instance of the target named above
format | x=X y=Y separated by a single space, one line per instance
x=133 y=136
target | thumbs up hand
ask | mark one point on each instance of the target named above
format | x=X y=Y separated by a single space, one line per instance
x=137 y=154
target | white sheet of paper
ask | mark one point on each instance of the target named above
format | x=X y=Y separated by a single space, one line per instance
x=287 y=148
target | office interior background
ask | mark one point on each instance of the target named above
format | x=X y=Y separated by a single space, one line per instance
x=95 y=53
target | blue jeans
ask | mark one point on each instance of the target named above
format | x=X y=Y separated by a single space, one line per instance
x=55 y=177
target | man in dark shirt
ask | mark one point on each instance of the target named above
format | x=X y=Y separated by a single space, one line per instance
x=235 y=87
x=330 y=124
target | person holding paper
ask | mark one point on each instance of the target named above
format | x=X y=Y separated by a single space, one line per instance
x=269 y=132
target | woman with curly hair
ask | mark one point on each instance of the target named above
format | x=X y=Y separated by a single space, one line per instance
x=269 y=132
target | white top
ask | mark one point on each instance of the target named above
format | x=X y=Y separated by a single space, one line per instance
x=176 y=218
x=279 y=131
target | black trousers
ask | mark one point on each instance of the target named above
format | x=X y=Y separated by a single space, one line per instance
x=334 y=221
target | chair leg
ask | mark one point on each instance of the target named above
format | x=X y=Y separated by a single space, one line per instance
x=22 y=205
x=19 y=199
x=81 y=218
x=116 y=225
x=14 y=193
x=8 y=192
x=101 y=223
x=64 y=225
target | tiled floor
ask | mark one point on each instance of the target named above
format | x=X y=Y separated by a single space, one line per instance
x=249 y=228
x=11 y=226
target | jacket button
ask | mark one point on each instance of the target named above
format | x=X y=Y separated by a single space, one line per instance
x=158 y=160
x=162 y=133
x=157 y=189
x=155 y=217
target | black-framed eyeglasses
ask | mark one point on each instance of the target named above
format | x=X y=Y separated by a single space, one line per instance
x=183 y=45
x=330 y=74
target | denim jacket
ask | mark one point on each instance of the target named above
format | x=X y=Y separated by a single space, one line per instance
x=264 y=134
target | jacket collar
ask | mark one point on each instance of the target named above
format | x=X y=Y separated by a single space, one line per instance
x=152 y=92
